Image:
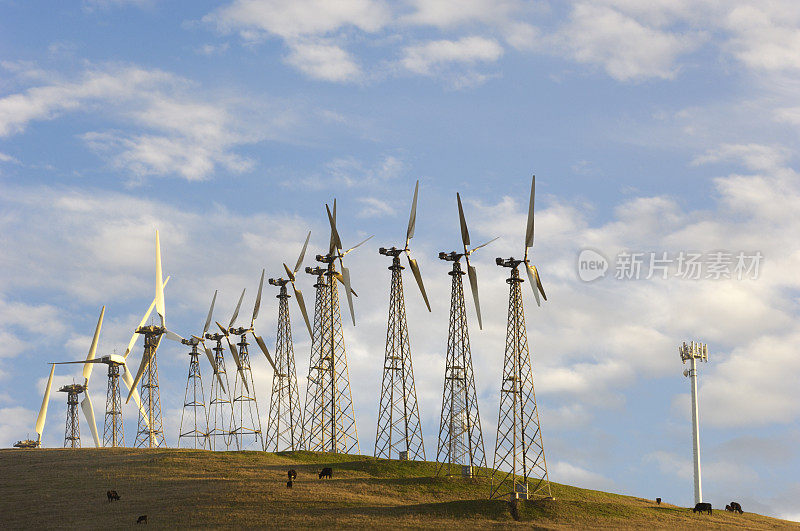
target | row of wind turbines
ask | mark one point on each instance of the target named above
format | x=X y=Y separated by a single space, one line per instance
x=328 y=423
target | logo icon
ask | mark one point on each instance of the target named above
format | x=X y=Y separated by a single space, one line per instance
x=591 y=265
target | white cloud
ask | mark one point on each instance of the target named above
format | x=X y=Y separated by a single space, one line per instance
x=756 y=157
x=323 y=60
x=765 y=35
x=451 y=13
x=427 y=57
x=569 y=474
x=372 y=207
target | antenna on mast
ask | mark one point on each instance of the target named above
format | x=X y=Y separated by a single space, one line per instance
x=692 y=352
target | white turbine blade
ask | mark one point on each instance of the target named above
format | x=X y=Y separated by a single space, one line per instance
x=418 y=276
x=213 y=363
x=333 y=243
x=473 y=284
x=302 y=304
x=238 y=362
x=337 y=242
x=340 y=278
x=126 y=377
x=463 y=222
x=302 y=255
x=358 y=245
x=533 y=285
x=349 y=291
x=412 y=218
x=159 y=283
x=258 y=299
x=263 y=348
x=289 y=272
x=210 y=312
x=529 y=228
x=135 y=336
x=88 y=412
x=87 y=368
x=145 y=360
x=173 y=336
x=483 y=245
x=45 y=402
x=238 y=305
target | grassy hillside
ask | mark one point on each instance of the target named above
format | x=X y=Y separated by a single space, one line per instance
x=181 y=488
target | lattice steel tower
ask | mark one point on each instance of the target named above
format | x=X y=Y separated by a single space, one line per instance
x=150 y=434
x=519 y=450
x=220 y=415
x=72 y=434
x=399 y=431
x=113 y=430
x=194 y=401
x=285 y=424
x=329 y=418
x=460 y=435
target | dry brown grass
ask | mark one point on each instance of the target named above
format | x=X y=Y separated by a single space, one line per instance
x=54 y=488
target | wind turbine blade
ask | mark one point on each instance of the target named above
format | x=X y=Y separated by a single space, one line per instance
x=45 y=402
x=236 y=313
x=418 y=276
x=337 y=242
x=258 y=299
x=289 y=272
x=145 y=360
x=173 y=336
x=412 y=218
x=213 y=363
x=210 y=312
x=222 y=328
x=238 y=363
x=463 y=221
x=483 y=245
x=135 y=336
x=538 y=280
x=340 y=278
x=88 y=412
x=126 y=377
x=529 y=228
x=357 y=245
x=534 y=287
x=159 y=283
x=87 y=368
x=263 y=348
x=302 y=304
x=302 y=254
x=346 y=278
x=473 y=284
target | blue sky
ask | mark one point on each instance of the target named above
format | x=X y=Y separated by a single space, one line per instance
x=664 y=126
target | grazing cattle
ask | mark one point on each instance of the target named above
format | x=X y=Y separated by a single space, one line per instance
x=112 y=495
x=702 y=507
x=658 y=501
x=142 y=519
x=735 y=507
x=326 y=472
x=289 y=484
x=729 y=508
x=292 y=474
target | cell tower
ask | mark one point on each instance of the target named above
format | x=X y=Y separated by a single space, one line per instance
x=330 y=422
x=285 y=424
x=193 y=397
x=519 y=450
x=460 y=434
x=692 y=352
x=399 y=433
x=150 y=432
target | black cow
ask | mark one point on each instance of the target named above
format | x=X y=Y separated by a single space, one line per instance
x=658 y=501
x=142 y=519
x=292 y=474
x=729 y=508
x=702 y=507
x=289 y=484
x=326 y=472
x=735 y=507
x=112 y=495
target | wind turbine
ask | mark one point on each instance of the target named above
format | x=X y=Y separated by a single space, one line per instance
x=519 y=450
x=399 y=432
x=285 y=420
x=151 y=433
x=460 y=437
x=329 y=418
x=28 y=443
x=221 y=408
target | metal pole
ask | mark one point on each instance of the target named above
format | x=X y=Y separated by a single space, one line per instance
x=698 y=490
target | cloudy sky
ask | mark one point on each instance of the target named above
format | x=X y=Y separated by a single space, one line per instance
x=658 y=132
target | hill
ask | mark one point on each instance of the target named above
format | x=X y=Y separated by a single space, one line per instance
x=182 y=488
